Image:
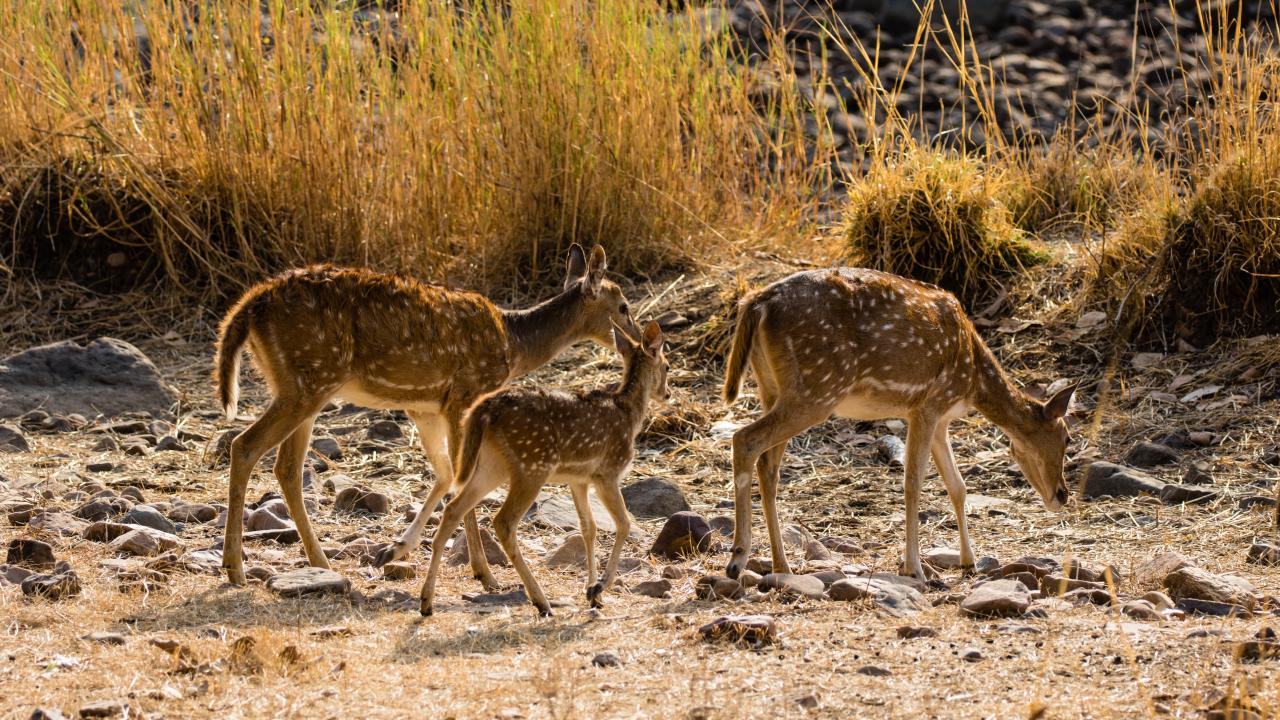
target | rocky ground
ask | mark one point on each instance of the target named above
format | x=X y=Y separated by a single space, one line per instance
x=1053 y=64
x=1153 y=593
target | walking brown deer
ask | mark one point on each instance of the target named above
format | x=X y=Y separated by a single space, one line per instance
x=387 y=341
x=868 y=345
x=526 y=437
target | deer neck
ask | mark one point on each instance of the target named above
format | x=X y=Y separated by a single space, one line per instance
x=536 y=335
x=996 y=397
x=632 y=397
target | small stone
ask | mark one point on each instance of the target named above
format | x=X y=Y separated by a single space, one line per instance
x=1264 y=553
x=364 y=550
x=259 y=573
x=12 y=440
x=713 y=587
x=826 y=576
x=399 y=570
x=796 y=536
x=1158 y=600
x=171 y=443
x=743 y=629
x=103 y=708
x=53 y=586
x=30 y=553
x=384 y=430
x=816 y=551
x=997 y=598
x=1172 y=494
x=571 y=551
x=842 y=545
x=749 y=578
x=654 y=497
x=14 y=575
x=873 y=671
x=103 y=637
x=684 y=533
x=1052 y=584
x=101 y=509
x=354 y=499
x=309 y=581
x=1253 y=502
x=896 y=599
x=57 y=523
x=674 y=572
x=606 y=660
x=1156 y=569
x=942 y=558
x=660 y=588
x=1140 y=610
x=1194 y=583
x=911 y=632
x=284 y=536
x=106 y=443
x=808 y=701
x=144 y=541
x=722 y=524
x=493 y=551
x=1150 y=454
x=148 y=516
x=193 y=513
x=1198 y=474
x=1214 y=608
x=327 y=447
x=1104 y=478
x=264 y=519
x=1251 y=651
x=971 y=655
x=787 y=584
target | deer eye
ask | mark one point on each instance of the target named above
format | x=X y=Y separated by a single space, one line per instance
x=623 y=308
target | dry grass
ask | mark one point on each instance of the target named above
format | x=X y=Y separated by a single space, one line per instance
x=465 y=662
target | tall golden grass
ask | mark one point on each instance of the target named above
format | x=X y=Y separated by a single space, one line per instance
x=476 y=142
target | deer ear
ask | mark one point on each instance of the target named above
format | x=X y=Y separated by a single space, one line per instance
x=652 y=338
x=1057 y=406
x=595 y=270
x=624 y=344
x=577 y=266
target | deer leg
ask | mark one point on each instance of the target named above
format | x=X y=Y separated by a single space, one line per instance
x=288 y=470
x=611 y=495
x=485 y=479
x=275 y=424
x=452 y=434
x=769 y=467
x=772 y=429
x=433 y=435
x=521 y=493
x=946 y=463
x=587 y=526
x=919 y=437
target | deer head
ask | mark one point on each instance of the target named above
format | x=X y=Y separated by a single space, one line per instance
x=1041 y=447
x=603 y=305
x=645 y=359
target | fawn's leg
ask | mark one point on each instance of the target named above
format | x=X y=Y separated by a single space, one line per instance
x=611 y=496
x=769 y=468
x=276 y=423
x=521 y=493
x=485 y=479
x=954 y=483
x=919 y=437
x=587 y=526
x=784 y=421
x=288 y=470
x=433 y=436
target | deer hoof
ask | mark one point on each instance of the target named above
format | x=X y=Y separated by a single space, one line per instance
x=425 y=610
x=386 y=555
x=544 y=611
x=593 y=595
x=235 y=576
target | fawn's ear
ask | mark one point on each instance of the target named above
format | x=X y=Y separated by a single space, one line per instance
x=1057 y=406
x=595 y=270
x=623 y=342
x=652 y=338
x=577 y=266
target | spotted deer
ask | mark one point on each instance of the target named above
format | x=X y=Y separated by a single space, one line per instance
x=869 y=345
x=392 y=342
x=527 y=437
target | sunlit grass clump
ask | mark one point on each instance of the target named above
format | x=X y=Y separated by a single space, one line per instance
x=215 y=142
x=937 y=218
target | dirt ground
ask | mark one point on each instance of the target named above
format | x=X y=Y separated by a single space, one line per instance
x=369 y=654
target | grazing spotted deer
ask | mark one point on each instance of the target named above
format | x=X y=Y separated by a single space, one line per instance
x=386 y=341
x=869 y=345
x=526 y=437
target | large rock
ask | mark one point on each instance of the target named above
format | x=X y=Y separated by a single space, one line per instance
x=997 y=598
x=460 y=554
x=1196 y=584
x=571 y=551
x=654 y=497
x=558 y=511
x=108 y=377
x=895 y=599
x=30 y=553
x=685 y=533
x=1104 y=478
x=308 y=581
x=62 y=583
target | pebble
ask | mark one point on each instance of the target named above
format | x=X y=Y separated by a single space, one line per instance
x=354 y=499
x=743 y=629
x=660 y=588
x=144 y=541
x=722 y=524
x=911 y=632
x=712 y=587
x=493 y=552
x=997 y=598
x=606 y=660
x=1158 y=600
x=788 y=584
x=259 y=573
x=193 y=513
x=1140 y=610
x=384 y=430
x=103 y=637
x=264 y=519
x=971 y=655
x=1150 y=454
x=816 y=551
x=1197 y=584
x=1109 y=479
x=942 y=558
x=1173 y=494
x=148 y=516
x=1264 y=553
x=1198 y=474
x=63 y=583
x=399 y=570
x=309 y=581
x=31 y=553
x=47 y=714
x=896 y=599
x=571 y=551
x=327 y=447
x=683 y=534
x=873 y=671
x=103 y=709
x=12 y=440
